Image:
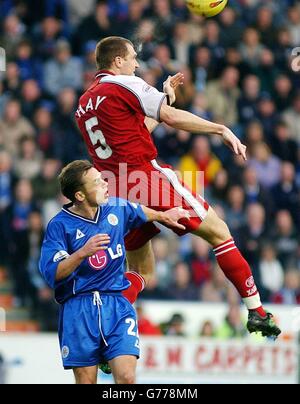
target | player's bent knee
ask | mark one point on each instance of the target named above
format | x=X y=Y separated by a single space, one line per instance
x=125 y=377
x=213 y=229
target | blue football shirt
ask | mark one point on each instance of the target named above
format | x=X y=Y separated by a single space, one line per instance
x=104 y=271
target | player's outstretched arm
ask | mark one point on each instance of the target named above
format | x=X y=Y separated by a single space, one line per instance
x=179 y=119
x=169 y=217
x=169 y=87
x=68 y=265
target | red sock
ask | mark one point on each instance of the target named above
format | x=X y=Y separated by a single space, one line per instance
x=137 y=285
x=237 y=270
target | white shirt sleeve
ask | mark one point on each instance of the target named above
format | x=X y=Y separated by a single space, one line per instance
x=149 y=97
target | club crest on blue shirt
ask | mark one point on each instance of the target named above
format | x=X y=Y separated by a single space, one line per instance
x=65 y=351
x=112 y=219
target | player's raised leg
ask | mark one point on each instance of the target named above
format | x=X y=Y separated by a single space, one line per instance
x=86 y=375
x=142 y=261
x=123 y=369
x=215 y=231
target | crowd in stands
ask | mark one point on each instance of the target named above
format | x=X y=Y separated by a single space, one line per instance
x=240 y=70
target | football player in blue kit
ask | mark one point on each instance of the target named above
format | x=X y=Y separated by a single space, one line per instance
x=83 y=259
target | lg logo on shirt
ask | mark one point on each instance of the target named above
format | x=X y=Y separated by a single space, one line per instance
x=99 y=260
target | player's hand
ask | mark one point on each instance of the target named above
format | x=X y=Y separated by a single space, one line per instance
x=172 y=216
x=234 y=143
x=94 y=244
x=170 y=85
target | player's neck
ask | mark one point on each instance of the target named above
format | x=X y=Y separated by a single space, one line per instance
x=113 y=71
x=88 y=212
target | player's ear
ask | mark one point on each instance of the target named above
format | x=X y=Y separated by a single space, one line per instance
x=118 y=61
x=79 y=195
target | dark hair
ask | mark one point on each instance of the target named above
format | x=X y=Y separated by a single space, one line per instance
x=70 y=178
x=108 y=49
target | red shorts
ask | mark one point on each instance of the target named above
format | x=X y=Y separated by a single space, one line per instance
x=159 y=188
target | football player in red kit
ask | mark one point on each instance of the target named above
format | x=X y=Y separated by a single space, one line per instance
x=116 y=116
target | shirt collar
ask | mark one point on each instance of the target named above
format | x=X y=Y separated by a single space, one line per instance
x=102 y=73
x=66 y=207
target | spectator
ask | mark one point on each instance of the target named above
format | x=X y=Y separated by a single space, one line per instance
x=199 y=261
x=222 y=96
x=163 y=262
x=215 y=289
x=266 y=165
x=265 y=26
x=294 y=24
x=45 y=185
x=235 y=213
x=233 y=325
x=63 y=70
x=253 y=234
x=283 y=91
x=217 y=192
x=249 y=97
x=285 y=193
x=29 y=66
x=182 y=287
x=48 y=31
x=254 y=135
x=45 y=131
x=290 y=293
x=255 y=192
x=31 y=97
x=96 y=25
x=271 y=273
x=201 y=160
x=292 y=118
x=199 y=107
x=231 y=28
x=89 y=64
x=28 y=164
x=13 y=126
x=285 y=238
x=175 y=326
x=283 y=146
x=207 y=329
x=68 y=143
x=212 y=41
x=181 y=42
x=267 y=115
x=251 y=48
x=12 y=34
x=12 y=81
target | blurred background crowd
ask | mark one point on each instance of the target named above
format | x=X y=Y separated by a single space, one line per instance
x=240 y=70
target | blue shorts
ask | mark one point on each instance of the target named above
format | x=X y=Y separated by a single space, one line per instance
x=95 y=328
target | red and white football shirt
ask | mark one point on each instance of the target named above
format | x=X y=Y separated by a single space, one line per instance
x=111 y=116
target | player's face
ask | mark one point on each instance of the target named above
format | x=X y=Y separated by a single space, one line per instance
x=129 y=63
x=95 y=188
